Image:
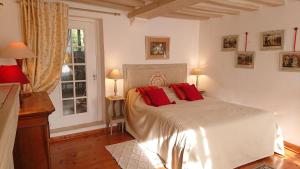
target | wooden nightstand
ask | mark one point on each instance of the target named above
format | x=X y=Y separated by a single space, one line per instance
x=113 y=117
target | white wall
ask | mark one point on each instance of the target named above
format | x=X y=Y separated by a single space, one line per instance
x=264 y=86
x=10 y=25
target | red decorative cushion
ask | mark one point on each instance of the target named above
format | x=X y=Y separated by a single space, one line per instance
x=191 y=92
x=177 y=89
x=142 y=91
x=158 y=97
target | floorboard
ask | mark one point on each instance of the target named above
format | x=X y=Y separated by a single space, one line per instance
x=88 y=152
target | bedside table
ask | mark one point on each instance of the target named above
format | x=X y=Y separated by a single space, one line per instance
x=114 y=117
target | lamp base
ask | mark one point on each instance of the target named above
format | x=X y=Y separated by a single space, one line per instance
x=22 y=96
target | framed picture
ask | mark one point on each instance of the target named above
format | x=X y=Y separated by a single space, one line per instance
x=157 y=47
x=230 y=42
x=244 y=59
x=272 y=40
x=290 y=61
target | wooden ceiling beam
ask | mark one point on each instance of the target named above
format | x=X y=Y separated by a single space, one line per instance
x=134 y=3
x=105 y=4
x=184 y=16
x=161 y=7
x=234 y=5
x=195 y=12
x=215 y=9
x=269 y=2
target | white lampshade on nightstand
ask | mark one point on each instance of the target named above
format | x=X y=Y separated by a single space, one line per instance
x=115 y=75
x=18 y=51
x=197 y=72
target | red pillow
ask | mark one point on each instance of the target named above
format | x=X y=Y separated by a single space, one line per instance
x=191 y=92
x=142 y=91
x=158 y=97
x=177 y=89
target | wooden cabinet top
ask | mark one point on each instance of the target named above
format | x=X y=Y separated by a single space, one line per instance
x=37 y=104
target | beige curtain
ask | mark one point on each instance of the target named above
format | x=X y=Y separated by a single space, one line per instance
x=45 y=27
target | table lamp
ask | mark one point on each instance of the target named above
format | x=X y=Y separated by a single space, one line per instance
x=115 y=74
x=18 y=51
x=12 y=74
x=196 y=72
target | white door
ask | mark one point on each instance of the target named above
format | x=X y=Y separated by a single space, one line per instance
x=79 y=91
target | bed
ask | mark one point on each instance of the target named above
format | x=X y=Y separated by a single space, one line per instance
x=205 y=134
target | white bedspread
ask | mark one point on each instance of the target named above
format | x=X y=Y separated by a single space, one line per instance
x=206 y=134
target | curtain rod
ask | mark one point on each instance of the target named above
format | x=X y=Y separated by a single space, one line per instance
x=87 y=10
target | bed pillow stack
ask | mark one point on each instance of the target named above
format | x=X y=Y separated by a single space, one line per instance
x=145 y=96
x=158 y=97
x=177 y=89
x=184 y=91
x=154 y=96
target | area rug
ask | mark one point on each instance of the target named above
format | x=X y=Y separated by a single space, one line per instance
x=131 y=155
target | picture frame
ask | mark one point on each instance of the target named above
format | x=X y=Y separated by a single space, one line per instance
x=230 y=42
x=289 y=61
x=272 y=40
x=157 y=47
x=245 y=59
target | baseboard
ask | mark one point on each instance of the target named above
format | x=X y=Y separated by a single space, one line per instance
x=75 y=127
x=292 y=147
x=101 y=131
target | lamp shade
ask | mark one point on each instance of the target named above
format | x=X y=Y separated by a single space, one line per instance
x=196 y=71
x=12 y=74
x=115 y=74
x=16 y=50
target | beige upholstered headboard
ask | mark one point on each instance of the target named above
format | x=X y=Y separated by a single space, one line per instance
x=137 y=75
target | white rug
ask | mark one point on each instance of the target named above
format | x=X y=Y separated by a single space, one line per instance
x=130 y=155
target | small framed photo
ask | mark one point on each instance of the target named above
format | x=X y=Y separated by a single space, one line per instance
x=157 y=47
x=244 y=59
x=272 y=40
x=290 y=61
x=230 y=42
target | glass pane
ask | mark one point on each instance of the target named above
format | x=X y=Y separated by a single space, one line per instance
x=66 y=73
x=79 y=55
x=68 y=107
x=77 y=37
x=81 y=106
x=68 y=56
x=80 y=89
x=79 y=72
x=67 y=90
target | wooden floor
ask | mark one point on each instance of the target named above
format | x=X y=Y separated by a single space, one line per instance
x=88 y=152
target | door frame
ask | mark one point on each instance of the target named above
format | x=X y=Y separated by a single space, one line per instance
x=100 y=77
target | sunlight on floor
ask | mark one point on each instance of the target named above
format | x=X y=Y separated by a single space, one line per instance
x=152 y=157
x=208 y=163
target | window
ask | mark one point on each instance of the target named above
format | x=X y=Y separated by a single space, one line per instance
x=73 y=75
